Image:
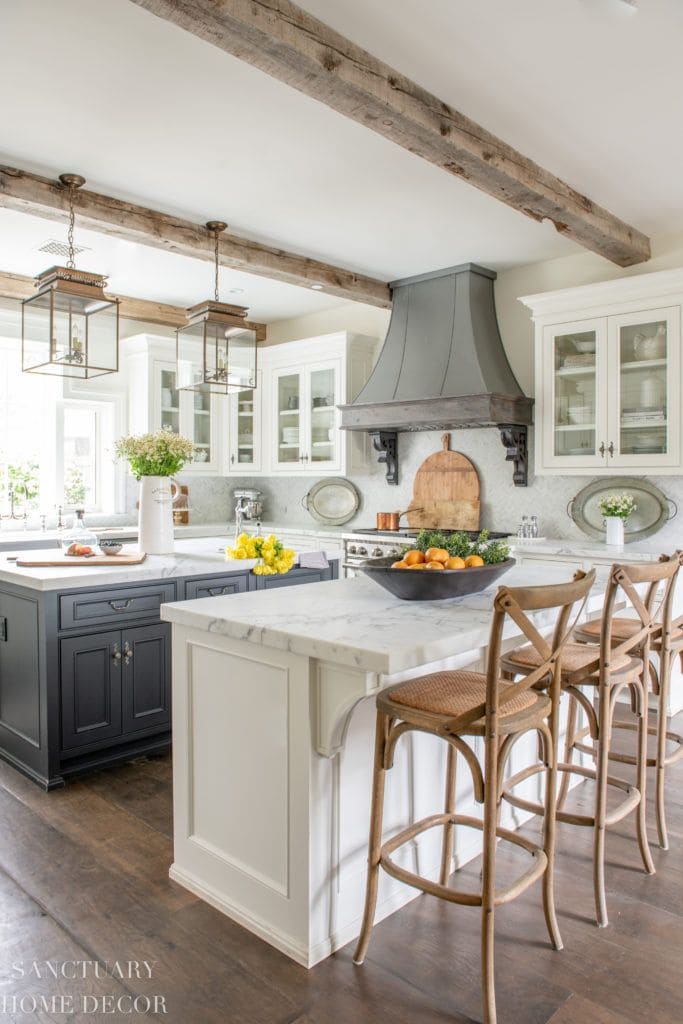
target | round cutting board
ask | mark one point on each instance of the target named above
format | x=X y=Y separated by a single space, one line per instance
x=445 y=492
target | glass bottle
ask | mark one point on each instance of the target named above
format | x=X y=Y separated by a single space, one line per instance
x=79 y=533
x=533 y=527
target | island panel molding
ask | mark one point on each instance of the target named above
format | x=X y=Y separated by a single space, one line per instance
x=31 y=193
x=291 y=45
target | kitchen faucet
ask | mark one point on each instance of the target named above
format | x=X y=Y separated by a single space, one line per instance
x=11 y=496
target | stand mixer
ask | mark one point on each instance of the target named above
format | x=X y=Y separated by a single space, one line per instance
x=248 y=508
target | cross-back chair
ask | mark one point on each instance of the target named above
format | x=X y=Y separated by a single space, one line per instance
x=456 y=706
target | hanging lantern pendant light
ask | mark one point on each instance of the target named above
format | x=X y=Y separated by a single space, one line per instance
x=70 y=328
x=216 y=349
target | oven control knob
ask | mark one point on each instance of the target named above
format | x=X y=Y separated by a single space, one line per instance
x=362 y=551
x=352 y=549
x=377 y=553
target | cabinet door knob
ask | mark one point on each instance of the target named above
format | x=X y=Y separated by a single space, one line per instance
x=610 y=449
x=127 y=653
x=602 y=448
x=116 y=654
x=232 y=459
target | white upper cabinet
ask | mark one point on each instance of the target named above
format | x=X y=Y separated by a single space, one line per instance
x=608 y=377
x=156 y=402
x=303 y=382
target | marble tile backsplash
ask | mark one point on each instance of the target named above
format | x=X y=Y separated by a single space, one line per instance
x=503 y=505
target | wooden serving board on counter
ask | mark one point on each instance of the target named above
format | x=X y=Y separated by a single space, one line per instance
x=112 y=561
x=445 y=492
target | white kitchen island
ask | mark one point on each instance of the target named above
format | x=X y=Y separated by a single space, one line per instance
x=273 y=725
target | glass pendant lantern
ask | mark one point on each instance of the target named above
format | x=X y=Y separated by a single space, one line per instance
x=216 y=349
x=70 y=328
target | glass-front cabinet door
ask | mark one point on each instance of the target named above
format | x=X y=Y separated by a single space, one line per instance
x=169 y=399
x=322 y=437
x=289 y=413
x=245 y=431
x=574 y=375
x=644 y=429
x=189 y=413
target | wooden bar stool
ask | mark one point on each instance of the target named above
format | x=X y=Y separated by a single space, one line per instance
x=667 y=643
x=459 y=704
x=608 y=669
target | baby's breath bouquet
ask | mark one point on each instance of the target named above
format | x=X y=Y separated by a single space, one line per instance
x=619 y=506
x=275 y=557
x=160 y=454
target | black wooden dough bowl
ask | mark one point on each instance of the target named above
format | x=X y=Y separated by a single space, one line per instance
x=433 y=584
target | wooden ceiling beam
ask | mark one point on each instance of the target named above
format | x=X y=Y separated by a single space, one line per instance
x=31 y=193
x=18 y=286
x=291 y=45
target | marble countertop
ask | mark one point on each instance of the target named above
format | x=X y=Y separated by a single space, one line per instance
x=640 y=551
x=192 y=557
x=356 y=622
x=18 y=539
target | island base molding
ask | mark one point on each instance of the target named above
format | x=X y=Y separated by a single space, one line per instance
x=272 y=771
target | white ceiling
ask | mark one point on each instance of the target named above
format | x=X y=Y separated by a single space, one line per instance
x=588 y=88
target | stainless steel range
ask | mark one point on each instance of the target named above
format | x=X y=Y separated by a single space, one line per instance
x=365 y=544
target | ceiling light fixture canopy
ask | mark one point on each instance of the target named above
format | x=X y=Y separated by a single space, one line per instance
x=70 y=328
x=216 y=349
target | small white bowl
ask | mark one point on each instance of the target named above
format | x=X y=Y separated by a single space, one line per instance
x=581 y=414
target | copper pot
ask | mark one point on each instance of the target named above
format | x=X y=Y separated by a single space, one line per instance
x=390 y=521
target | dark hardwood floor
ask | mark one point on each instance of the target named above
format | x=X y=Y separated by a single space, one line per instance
x=84 y=877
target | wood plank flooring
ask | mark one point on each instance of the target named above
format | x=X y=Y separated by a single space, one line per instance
x=84 y=877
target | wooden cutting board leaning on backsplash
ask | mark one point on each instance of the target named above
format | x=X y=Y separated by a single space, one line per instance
x=445 y=492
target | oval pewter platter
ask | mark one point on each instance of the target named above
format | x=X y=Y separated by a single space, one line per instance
x=653 y=511
x=332 y=501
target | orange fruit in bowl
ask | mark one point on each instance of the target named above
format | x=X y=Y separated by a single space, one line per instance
x=455 y=562
x=434 y=565
x=400 y=565
x=414 y=557
x=473 y=561
x=418 y=565
x=436 y=555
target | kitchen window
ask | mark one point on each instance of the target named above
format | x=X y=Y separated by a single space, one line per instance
x=54 y=451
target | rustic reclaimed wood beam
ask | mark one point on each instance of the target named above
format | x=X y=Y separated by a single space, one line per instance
x=42 y=197
x=18 y=286
x=291 y=45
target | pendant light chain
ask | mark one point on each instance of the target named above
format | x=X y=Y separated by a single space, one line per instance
x=71 y=263
x=215 y=257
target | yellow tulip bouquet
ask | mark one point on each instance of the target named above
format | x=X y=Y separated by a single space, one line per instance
x=275 y=557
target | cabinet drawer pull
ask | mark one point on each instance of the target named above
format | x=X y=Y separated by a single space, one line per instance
x=119 y=606
x=217 y=591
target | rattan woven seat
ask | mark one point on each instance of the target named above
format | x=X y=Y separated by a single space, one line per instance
x=456 y=693
x=576 y=659
x=623 y=629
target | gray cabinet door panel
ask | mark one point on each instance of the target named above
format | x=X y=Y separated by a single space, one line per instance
x=19 y=669
x=217 y=586
x=91 y=688
x=146 y=677
x=113 y=605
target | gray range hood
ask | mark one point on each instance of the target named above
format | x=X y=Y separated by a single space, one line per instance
x=443 y=365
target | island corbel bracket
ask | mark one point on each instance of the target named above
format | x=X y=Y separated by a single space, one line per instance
x=386 y=443
x=514 y=438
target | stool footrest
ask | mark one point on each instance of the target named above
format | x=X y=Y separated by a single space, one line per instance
x=470 y=899
x=569 y=817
